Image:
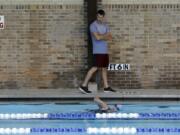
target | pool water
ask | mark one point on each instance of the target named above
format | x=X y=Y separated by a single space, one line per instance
x=97 y=126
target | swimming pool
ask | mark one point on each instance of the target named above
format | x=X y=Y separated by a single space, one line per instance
x=72 y=119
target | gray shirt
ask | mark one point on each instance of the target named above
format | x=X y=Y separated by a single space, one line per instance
x=99 y=46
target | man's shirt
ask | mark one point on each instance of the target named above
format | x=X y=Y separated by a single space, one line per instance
x=99 y=46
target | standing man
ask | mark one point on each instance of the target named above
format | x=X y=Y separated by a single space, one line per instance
x=100 y=34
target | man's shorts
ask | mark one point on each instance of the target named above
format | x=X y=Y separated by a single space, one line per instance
x=100 y=60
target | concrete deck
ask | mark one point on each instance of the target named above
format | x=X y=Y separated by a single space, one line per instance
x=75 y=94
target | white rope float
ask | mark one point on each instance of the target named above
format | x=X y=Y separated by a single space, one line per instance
x=24 y=116
x=113 y=130
x=117 y=115
x=15 y=130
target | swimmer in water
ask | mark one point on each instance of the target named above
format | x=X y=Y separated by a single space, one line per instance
x=103 y=107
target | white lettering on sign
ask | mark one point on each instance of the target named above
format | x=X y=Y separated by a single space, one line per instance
x=112 y=67
x=1 y=22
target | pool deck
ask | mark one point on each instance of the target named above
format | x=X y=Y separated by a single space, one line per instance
x=75 y=94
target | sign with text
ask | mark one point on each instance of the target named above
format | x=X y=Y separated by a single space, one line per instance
x=1 y=22
x=113 y=67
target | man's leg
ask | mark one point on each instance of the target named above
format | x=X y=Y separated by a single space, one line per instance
x=88 y=76
x=104 y=76
x=105 y=81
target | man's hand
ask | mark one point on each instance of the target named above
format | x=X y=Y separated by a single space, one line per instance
x=108 y=36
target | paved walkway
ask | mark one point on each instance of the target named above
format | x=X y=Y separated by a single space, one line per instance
x=76 y=94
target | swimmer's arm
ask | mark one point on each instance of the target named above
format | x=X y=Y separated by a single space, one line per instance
x=101 y=103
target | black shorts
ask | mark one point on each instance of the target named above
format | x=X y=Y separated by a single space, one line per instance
x=100 y=60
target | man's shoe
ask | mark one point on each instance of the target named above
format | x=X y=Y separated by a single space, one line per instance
x=84 y=90
x=109 y=89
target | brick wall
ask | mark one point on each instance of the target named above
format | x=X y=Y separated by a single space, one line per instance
x=44 y=43
x=146 y=36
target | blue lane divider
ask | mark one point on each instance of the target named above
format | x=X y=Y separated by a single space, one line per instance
x=91 y=130
x=72 y=116
x=58 y=130
x=158 y=130
x=132 y=130
x=91 y=116
x=162 y=116
x=172 y=116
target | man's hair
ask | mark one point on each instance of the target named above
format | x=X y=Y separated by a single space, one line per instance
x=101 y=12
